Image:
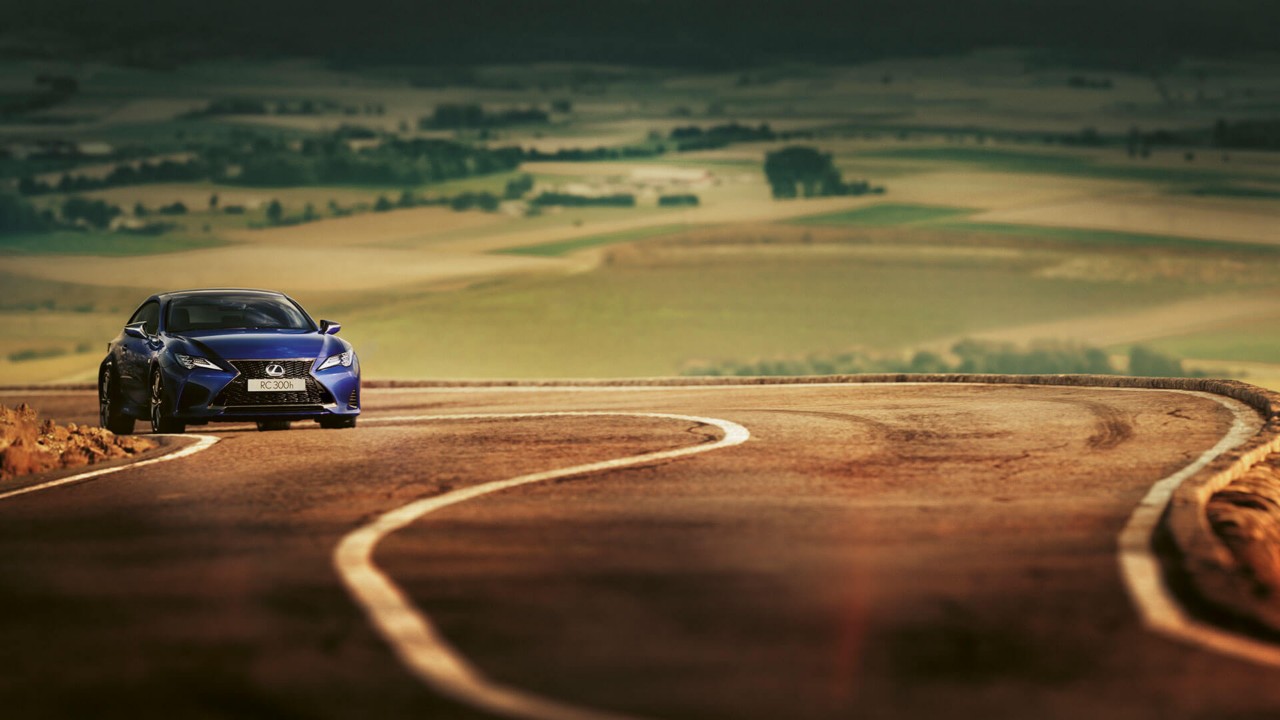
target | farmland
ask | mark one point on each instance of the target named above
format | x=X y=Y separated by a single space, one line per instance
x=1016 y=207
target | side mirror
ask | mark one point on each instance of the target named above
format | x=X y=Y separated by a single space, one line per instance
x=328 y=327
x=136 y=331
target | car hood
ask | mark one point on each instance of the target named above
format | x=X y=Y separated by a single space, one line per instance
x=259 y=344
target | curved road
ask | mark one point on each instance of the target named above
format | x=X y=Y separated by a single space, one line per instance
x=888 y=551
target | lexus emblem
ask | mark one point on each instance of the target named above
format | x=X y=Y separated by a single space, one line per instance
x=275 y=370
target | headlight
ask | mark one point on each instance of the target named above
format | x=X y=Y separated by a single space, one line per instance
x=194 y=361
x=343 y=359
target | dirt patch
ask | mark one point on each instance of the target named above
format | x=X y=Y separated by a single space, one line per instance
x=28 y=445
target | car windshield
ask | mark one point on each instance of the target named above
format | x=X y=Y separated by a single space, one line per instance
x=235 y=312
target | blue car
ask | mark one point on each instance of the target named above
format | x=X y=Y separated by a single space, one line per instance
x=227 y=355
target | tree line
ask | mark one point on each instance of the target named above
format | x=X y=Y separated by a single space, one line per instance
x=462 y=116
x=18 y=215
x=693 y=137
x=267 y=162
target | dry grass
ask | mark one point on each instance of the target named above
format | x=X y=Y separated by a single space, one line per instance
x=1119 y=328
x=370 y=228
x=1265 y=375
x=296 y=269
x=26 y=329
x=1222 y=271
x=747 y=203
x=81 y=367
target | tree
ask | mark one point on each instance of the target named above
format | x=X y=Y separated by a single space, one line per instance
x=517 y=187
x=275 y=212
x=1144 y=361
x=28 y=185
x=267 y=169
x=928 y=362
x=383 y=204
x=797 y=170
x=678 y=200
x=93 y=212
x=18 y=215
x=213 y=201
x=455 y=116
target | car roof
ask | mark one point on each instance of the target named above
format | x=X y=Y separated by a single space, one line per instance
x=216 y=291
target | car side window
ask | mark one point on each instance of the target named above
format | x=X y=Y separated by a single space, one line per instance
x=149 y=316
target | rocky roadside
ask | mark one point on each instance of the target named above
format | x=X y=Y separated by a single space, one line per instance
x=29 y=445
x=1246 y=517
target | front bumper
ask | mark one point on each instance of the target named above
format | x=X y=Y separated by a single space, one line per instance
x=202 y=395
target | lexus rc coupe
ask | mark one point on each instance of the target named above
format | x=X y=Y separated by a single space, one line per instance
x=227 y=355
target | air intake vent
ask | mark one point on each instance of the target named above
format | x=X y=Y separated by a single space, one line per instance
x=236 y=393
x=354 y=401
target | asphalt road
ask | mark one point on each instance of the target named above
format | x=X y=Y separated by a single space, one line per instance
x=875 y=551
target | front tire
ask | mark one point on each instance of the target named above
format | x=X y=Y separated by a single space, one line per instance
x=337 y=422
x=161 y=423
x=272 y=425
x=109 y=414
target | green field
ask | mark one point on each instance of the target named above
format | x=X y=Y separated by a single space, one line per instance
x=1251 y=341
x=1067 y=165
x=639 y=320
x=102 y=243
x=885 y=214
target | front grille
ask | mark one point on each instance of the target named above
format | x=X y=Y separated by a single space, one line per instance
x=237 y=391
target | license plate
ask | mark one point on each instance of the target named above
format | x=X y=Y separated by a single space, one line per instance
x=278 y=385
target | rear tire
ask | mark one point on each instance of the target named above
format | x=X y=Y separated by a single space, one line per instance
x=337 y=422
x=161 y=423
x=272 y=425
x=109 y=414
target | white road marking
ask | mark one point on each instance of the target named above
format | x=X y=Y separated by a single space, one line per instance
x=203 y=442
x=407 y=629
x=1141 y=570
